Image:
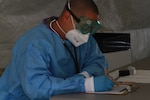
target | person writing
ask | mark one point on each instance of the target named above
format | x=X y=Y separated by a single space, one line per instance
x=59 y=56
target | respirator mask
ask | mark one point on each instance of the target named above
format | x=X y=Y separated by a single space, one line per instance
x=82 y=29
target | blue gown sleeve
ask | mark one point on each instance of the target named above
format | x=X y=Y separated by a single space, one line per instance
x=38 y=81
x=95 y=62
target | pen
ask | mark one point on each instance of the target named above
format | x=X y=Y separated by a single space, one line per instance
x=107 y=72
x=106 y=68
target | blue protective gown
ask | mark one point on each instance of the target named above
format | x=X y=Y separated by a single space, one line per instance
x=41 y=66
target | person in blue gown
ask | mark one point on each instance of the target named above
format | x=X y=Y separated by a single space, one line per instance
x=58 y=56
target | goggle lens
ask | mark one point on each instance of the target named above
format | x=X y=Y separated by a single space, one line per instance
x=87 y=26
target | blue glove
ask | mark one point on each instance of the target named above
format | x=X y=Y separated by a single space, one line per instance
x=98 y=84
x=102 y=83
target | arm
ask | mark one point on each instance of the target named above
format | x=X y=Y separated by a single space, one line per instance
x=94 y=61
x=37 y=79
x=96 y=65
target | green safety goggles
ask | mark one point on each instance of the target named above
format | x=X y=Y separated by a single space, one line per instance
x=84 y=24
x=88 y=26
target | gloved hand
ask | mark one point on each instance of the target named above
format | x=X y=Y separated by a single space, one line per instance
x=98 y=84
x=102 y=83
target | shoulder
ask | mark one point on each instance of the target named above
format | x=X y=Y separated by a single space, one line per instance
x=40 y=36
x=92 y=40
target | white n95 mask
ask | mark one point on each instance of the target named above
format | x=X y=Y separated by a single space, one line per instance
x=76 y=37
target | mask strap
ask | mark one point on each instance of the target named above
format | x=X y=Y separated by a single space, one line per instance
x=71 y=15
x=73 y=22
x=60 y=27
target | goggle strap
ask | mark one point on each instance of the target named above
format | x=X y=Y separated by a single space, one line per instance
x=74 y=16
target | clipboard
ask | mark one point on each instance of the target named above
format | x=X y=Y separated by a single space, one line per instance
x=122 y=89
